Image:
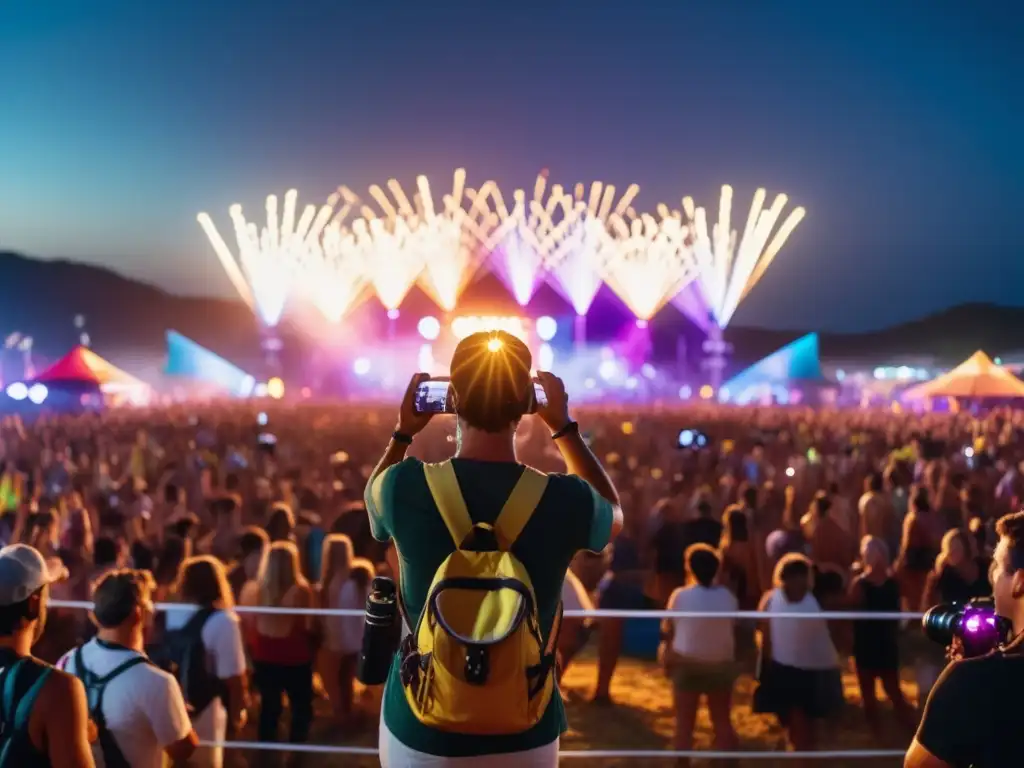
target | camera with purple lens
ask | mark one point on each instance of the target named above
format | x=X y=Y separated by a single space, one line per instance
x=975 y=623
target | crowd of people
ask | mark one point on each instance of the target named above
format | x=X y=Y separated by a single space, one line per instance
x=224 y=505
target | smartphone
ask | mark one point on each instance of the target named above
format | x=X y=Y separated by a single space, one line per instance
x=692 y=438
x=434 y=396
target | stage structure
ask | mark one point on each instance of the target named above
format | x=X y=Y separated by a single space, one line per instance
x=187 y=359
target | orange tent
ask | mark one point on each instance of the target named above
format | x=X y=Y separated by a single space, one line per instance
x=977 y=376
x=83 y=367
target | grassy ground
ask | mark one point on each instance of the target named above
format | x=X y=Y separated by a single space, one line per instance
x=641 y=719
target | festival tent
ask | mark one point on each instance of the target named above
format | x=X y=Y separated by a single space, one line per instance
x=977 y=376
x=81 y=368
x=797 y=363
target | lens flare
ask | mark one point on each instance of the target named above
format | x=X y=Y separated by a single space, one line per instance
x=729 y=266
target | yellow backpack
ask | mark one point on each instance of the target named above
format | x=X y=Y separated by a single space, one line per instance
x=476 y=662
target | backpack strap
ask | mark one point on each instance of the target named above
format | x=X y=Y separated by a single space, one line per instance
x=24 y=710
x=95 y=683
x=520 y=506
x=8 y=682
x=444 y=487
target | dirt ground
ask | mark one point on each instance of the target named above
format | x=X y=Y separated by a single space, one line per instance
x=641 y=719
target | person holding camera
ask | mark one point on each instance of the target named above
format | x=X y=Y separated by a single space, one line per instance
x=418 y=506
x=968 y=712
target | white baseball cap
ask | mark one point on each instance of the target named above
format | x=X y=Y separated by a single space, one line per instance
x=23 y=571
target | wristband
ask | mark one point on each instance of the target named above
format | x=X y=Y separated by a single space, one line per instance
x=569 y=429
x=401 y=437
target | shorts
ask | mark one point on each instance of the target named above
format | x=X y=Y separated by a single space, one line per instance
x=690 y=676
x=818 y=693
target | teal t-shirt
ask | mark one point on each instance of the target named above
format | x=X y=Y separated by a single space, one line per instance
x=571 y=516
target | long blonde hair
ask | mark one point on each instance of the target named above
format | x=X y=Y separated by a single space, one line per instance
x=952 y=535
x=280 y=572
x=337 y=558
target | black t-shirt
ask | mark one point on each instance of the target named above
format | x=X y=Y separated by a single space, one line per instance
x=702 y=530
x=668 y=548
x=970 y=714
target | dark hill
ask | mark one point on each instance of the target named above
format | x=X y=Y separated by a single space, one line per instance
x=41 y=299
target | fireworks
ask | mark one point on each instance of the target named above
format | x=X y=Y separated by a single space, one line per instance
x=729 y=267
x=442 y=247
x=575 y=238
x=650 y=264
x=267 y=268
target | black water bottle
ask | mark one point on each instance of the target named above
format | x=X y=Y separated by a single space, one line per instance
x=382 y=630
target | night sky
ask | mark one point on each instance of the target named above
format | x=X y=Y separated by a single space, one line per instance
x=900 y=129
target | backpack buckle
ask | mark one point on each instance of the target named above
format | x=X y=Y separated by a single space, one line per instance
x=478 y=665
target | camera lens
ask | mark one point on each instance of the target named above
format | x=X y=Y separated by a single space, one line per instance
x=942 y=622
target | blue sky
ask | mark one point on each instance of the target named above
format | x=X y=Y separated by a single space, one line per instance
x=899 y=129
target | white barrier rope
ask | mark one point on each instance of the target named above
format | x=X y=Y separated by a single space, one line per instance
x=598 y=613
x=589 y=754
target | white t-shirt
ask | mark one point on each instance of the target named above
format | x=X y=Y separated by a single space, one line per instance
x=801 y=643
x=702 y=639
x=344 y=634
x=225 y=658
x=143 y=706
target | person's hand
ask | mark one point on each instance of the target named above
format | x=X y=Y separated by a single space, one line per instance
x=556 y=413
x=409 y=421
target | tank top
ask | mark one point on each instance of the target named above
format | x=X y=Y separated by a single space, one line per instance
x=21 y=750
x=801 y=643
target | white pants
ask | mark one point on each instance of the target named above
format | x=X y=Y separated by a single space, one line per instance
x=394 y=754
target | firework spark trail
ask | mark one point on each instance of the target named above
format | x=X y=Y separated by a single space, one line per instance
x=578 y=263
x=652 y=262
x=335 y=273
x=268 y=259
x=438 y=247
x=729 y=266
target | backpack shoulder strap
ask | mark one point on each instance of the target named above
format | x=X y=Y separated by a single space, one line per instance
x=196 y=622
x=24 y=710
x=8 y=681
x=444 y=487
x=520 y=506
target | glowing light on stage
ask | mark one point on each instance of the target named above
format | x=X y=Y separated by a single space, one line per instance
x=653 y=262
x=17 y=391
x=467 y=325
x=608 y=370
x=546 y=328
x=426 y=358
x=545 y=357
x=444 y=238
x=429 y=328
x=275 y=388
x=730 y=265
x=706 y=392
x=37 y=394
x=361 y=366
x=269 y=259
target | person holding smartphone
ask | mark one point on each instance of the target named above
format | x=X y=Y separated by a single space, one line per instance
x=491 y=391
